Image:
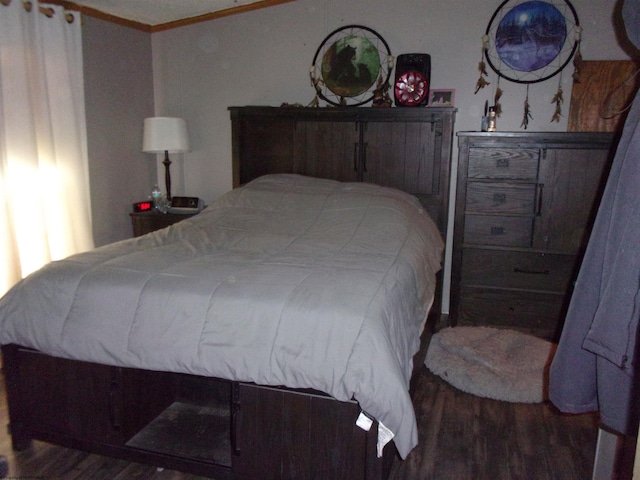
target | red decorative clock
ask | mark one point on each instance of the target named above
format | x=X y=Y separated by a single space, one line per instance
x=411 y=88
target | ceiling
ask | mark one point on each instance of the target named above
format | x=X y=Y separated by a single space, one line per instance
x=163 y=14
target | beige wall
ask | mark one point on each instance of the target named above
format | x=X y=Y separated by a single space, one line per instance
x=118 y=95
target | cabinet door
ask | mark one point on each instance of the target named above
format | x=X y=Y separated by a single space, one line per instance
x=267 y=141
x=327 y=149
x=71 y=399
x=402 y=155
x=284 y=434
x=570 y=183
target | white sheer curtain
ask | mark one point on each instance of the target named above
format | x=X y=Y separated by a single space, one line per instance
x=44 y=183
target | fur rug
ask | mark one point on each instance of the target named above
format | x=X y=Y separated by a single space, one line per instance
x=494 y=363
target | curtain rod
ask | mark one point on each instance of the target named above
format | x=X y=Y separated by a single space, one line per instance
x=46 y=11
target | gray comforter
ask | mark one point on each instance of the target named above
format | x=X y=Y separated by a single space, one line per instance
x=288 y=280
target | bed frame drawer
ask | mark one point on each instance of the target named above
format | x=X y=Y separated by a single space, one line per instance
x=92 y=404
x=285 y=435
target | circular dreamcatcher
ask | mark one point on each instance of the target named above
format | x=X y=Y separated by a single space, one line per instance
x=530 y=41
x=351 y=67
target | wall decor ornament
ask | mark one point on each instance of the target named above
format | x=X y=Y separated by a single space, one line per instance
x=527 y=42
x=351 y=67
x=411 y=88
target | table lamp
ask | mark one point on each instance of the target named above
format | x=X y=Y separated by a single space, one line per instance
x=168 y=135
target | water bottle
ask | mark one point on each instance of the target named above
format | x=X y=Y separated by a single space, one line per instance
x=156 y=196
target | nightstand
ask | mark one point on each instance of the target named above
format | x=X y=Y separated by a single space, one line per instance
x=147 y=222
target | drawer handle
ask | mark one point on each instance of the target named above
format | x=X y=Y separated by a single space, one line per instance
x=235 y=413
x=355 y=157
x=502 y=163
x=531 y=272
x=500 y=197
x=539 y=206
x=364 y=157
x=115 y=412
x=497 y=231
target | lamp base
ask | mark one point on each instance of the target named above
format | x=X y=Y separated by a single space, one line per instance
x=167 y=174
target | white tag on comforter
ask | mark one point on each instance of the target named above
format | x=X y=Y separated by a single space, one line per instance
x=384 y=436
x=364 y=422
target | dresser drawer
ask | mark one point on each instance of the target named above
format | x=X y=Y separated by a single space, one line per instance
x=147 y=222
x=519 y=270
x=499 y=230
x=530 y=312
x=503 y=163
x=504 y=198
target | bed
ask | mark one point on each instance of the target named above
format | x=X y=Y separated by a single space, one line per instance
x=270 y=336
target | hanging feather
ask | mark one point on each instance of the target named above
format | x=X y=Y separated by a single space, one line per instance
x=577 y=63
x=527 y=114
x=496 y=101
x=482 y=67
x=527 y=111
x=558 y=100
x=481 y=84
x=577 y=58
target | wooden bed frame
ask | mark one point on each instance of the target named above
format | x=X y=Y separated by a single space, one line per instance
x=208 y=426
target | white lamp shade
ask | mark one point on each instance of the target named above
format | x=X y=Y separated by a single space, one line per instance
x=165 y=134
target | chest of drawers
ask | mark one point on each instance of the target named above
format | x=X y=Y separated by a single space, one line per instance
x=525 y=203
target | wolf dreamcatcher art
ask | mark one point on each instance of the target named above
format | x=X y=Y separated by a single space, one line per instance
x=528 y=42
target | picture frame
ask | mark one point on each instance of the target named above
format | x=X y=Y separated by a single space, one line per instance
x=442 y=98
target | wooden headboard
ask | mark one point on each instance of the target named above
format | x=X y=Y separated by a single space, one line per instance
x=406 y=148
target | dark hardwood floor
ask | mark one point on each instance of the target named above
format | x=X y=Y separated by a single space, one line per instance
x=461 y=437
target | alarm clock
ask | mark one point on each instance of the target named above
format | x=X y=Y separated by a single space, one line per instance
x=186 y=205
x=145 y=206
